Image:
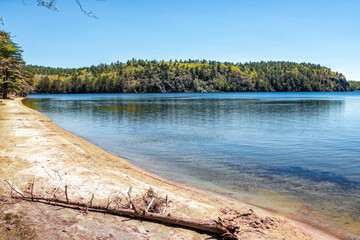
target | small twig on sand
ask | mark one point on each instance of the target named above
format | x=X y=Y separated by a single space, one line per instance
x=92 y=198
x=12 y=185
x=13 y=188
x=108 y=203
x=152 y=200
x=166 y=204
x=58 y=174
x=57 y=188
x=97 y=187
x=32 y=189
x=132 y=202
x=66 y=194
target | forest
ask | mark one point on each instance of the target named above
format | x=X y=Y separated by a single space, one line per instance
x=142 y=76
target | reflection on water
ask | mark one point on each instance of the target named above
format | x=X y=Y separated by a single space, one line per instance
x=278 y=150
x=132 y=108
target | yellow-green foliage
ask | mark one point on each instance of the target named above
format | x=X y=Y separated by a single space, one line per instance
x=189 y=76
x=355 y=84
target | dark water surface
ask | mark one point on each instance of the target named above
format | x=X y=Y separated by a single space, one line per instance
x=297 y=153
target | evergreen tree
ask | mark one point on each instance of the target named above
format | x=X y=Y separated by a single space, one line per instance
x=13 y=77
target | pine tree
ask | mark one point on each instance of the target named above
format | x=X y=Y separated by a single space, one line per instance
x=11 y=66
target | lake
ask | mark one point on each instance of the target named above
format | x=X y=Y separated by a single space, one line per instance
x=294 y=153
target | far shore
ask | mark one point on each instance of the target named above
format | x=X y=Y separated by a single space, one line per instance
x=33 y=147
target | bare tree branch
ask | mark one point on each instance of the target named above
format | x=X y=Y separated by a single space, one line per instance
x=226 y=230
x=48 y=4
x=52 y=5
x=87 y=13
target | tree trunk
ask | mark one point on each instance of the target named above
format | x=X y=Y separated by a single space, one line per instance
x=5 y=90
x=5 y=85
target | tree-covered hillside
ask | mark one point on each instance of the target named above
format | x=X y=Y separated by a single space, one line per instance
x=138 y=76
x=355 y=85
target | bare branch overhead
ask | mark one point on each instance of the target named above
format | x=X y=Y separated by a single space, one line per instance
x=52 y=5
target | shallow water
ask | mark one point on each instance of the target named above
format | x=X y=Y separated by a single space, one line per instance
x=297 y=153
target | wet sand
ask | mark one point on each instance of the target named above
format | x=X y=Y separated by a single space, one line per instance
x=32 y=146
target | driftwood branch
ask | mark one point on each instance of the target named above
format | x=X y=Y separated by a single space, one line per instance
x=215 y=227
x=208 y=226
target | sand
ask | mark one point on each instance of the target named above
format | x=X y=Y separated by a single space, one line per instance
x=33 y=147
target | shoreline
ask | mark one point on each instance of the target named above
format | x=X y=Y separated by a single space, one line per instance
x=206 y=201
x=172 y=183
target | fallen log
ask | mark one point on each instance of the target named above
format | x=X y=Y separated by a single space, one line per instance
x=208 y=226
x=216 y=227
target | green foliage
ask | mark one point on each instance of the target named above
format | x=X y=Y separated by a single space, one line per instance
x=139 y=76
x=13 y=77
x=355 y=84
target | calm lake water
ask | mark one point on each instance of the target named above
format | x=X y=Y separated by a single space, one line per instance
x=297 y=153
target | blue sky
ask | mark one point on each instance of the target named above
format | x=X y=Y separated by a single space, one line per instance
x=318 y=31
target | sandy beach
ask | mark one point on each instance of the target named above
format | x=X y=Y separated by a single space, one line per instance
x=33 y=147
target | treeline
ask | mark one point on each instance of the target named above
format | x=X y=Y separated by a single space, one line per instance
x=139 y=76
x=355 y=85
